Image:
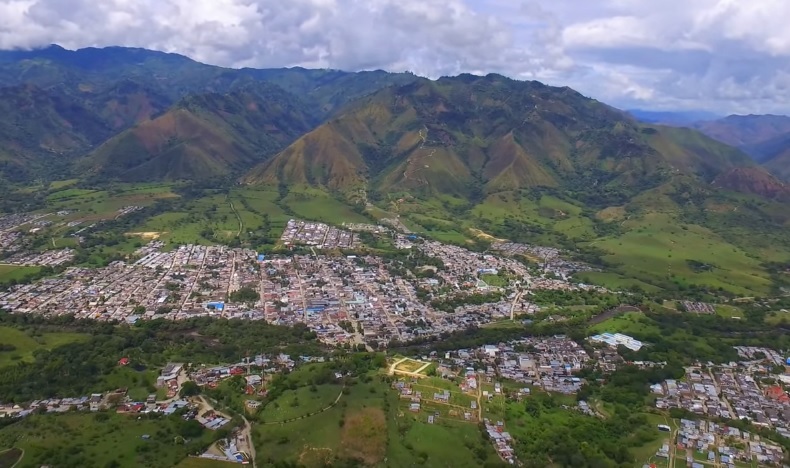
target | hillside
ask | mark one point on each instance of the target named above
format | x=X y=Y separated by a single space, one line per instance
x=41 y=132
x=89 y=73
x=471 y=136
x=203 y=136
x=745 y=131
x=766 y=138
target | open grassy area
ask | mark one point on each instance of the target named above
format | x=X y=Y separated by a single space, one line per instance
x=655 y=246
x=14 y=272
x=87 y=439
x=196 y=462
x=300 y=402
x=627 y=323
x=24 y=344
x=10 y=457
x=312 y=204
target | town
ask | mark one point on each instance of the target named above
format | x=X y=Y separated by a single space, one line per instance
x=355 y=299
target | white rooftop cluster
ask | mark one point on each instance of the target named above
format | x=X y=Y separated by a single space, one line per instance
x=617 y=339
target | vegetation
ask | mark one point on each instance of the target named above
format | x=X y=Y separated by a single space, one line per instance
x=105 y=439
x=87 y=365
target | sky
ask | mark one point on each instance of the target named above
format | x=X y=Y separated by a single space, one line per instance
x=723 y=56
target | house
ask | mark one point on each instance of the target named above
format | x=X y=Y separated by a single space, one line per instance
x=124 y=361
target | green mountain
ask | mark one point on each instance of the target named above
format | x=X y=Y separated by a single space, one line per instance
x=41 y=132
x=473 y=136
x=87 y=72
x=205 y=135
x=766 y=138
x=745 y=131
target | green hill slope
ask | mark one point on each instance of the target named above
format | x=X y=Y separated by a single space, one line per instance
x=41 y=132
x=203 y=136
x=471 y=136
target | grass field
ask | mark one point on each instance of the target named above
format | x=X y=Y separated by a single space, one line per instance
x=86 y=439
x=25 y=344
x=318 y=439
x=9 y=457
x=14 y=272
x=317 y=205
x=300 y=402
x=629 y=323
x=195 y=462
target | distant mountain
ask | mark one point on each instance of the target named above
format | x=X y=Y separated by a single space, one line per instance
x=84 y=72
x=205 y=135
x=118 y=88
x=41 y=132
x=766 y=138
x=470 y=136
x=671 y=118
x=745 y=131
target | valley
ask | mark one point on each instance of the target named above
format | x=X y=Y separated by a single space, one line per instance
x=206 y=266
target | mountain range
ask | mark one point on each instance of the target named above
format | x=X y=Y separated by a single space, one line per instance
x=766 y=138
x=518 y=159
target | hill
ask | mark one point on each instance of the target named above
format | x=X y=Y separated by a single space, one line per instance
x=41 y=132
x=671 y=118
x=206 y=135
x=745 y=131
x=472 y=136
x=92 y=72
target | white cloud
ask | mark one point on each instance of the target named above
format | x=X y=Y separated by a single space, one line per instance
x=725 y=55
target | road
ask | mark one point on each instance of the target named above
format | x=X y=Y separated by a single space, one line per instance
x=241 y=225
x=247 y=434
x=513 y=304
x=479 y=400
x=197 y=277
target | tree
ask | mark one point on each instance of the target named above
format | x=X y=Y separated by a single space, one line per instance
x=189 y=388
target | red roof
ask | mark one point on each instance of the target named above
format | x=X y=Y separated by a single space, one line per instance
x=123 y=361
x=237 y=371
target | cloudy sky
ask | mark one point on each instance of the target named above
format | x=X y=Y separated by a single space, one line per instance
x=718 y=55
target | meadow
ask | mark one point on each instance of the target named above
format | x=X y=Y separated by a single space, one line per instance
x=101 y=439
x=15 y=272
x=24 y=344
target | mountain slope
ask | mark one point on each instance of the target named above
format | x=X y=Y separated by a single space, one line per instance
x=745 y=131
x=469 y=136
x=83 y=72
x=203 y=136
x=41 y=132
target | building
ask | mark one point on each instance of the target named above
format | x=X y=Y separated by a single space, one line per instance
x=617 y=339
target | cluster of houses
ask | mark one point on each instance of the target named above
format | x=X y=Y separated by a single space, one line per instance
x=730 y=391
x=318 y=235
x=549 y=258
x=548 y=363
x=696 y=307
x=502 y=440
x=721 y=445
x=52 y=258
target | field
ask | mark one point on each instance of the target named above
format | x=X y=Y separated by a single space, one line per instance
x=84 y=439
x=655 y=246
x=408 y=366
x=312 y=440
x=9 y=457
x=301 y=402
x=369 y=424
x=25 y=344
x=628 y=323
x=14 y=272
x=195 y=462
x=140 y=384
